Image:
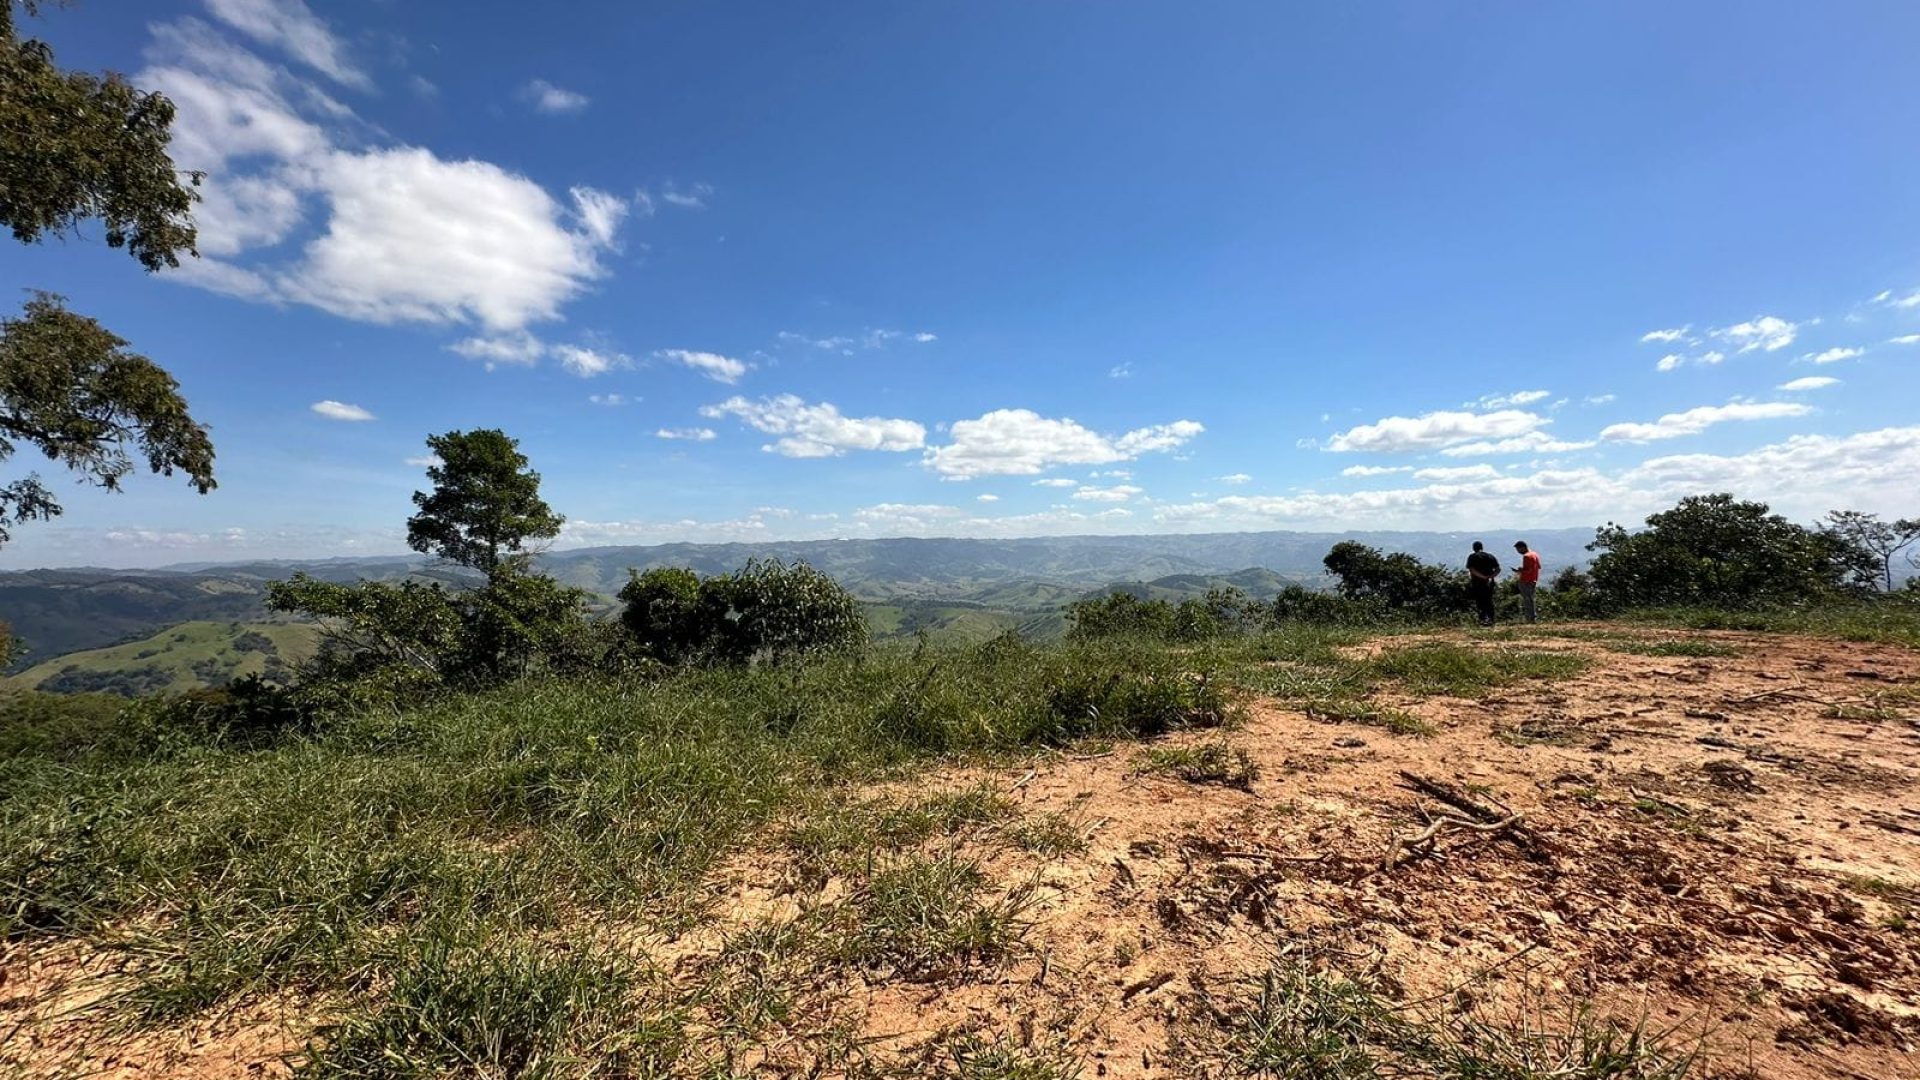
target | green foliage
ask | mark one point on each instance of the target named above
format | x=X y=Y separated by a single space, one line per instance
x=505 y=1009
x=1396 y=580
x=1208 y=763
x=767 y=610
x=1224 y=610
x=1296 y=604
x=485 y=504
x=75 y=146
x=926 y=918
x=70 y=389
x=1715 y=550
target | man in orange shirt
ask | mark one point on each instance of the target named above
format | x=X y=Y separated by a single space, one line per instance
x=1529 y=571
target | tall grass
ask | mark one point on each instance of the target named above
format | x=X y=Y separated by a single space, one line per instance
x=316 y=859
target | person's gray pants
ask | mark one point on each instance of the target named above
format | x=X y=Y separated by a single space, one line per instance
x=1526 y=599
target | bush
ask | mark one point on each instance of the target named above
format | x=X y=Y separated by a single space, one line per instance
x=1119 y=614
x=1714 y=550
x=1397 y=581
x=768 y=610
x=1297 y=604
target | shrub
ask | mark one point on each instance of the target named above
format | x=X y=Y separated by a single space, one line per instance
x=1397 y=581
x=1119 y=614
x=1713 y=549
x=768 y=610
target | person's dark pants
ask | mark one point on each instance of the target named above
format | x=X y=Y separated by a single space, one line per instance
x=1526 y=600
x=1483 y=600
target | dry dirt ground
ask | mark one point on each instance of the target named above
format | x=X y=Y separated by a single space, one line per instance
x=1724 y=846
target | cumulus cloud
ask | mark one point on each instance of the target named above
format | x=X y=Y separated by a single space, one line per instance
x=1666 y=336
x=1834 y=355
x=1767 y=332
x=1121 y=371
x=1599 y=399
x=818 y=430
x=1116 y=493
x=1508 y=401
x=1451 y=475
x=691 y=434
x=291 y=27
x=1798 y=476
x=1056 y=482
x=340 y=410
x=1020 y=442
x=1905 y=339
x=1887 y=298
x=384 y=233
x=547 y=98
x=611 y=399
x=1234 y=478
x=923 y=337
x=518 y=347
x=723 y=369
x=586 y=362
x=1811 y=382
x=1435 y=431
x=1374 y=470
x=1694 y=421
x=1533 y=442
x=986 y=498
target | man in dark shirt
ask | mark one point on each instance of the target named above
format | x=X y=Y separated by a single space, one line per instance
x=1482 y=569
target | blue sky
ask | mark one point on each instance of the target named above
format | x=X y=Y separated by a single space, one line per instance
x=1008 y=269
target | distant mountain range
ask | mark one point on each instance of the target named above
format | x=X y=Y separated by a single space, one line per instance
x=969 y=588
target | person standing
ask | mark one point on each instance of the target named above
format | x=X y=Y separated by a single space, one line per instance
x=1529 y=571
x=1482 y=569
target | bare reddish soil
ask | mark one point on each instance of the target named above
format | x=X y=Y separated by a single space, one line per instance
x=1729 y=847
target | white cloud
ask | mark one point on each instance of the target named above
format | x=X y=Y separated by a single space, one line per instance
x=425 y=461
x=693 y=198
x=1905 y=339
x=548 y=98
x=600 y=214
x=340 y=410
x=1886 y=297
x=1374 y=470
x=694 y=434
x=812 y=431
x=1116 y=493
x=1834 y=355
x=1121 y=371
x=1798 y=477
x=1433 y=431
x=1669 y=362
x=1056 y=482
x=586 y=362
x=290 y=26
x=1599 y=399
x=518 y=347
x=987 y=498
x=1768 y=332
x=403 y=235
x=1020 y=442
x=1694 y=421
x=1457 y=474
x=924 y=337
x=1666 y=336
x=1533 y=442
x=1674 y=361
x=1234 y=478
x=722 y=369
x=1811 y=382
x=611 y=399
x=1508 y=401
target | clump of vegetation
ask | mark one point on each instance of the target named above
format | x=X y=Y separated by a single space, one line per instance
x=1461 y=671
x=1716 y=550
x=1351 y=711
x=1207 y=763
x=768 y=610
x=1305 y=1023
x=926 y=918
x=1687 y=647
x=1221 y=612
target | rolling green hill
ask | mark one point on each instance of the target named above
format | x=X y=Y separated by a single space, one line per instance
x=181 y=657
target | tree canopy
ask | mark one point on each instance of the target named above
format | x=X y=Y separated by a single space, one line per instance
x=70 y=388
x=485 y=505
x=1871 y=542
x=1714 y=549
x=75 y=146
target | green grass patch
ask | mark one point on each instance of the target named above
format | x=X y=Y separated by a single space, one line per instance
x=1049 y=834
x=928 y=918
x=1695 y=647
x=1301 y=1023
x=1464 y=671
x=1356 y=711
x=1208 y=763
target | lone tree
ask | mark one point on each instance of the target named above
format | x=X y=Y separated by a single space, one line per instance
x=1873 y=541
x=485 y=504
x=74 y=147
